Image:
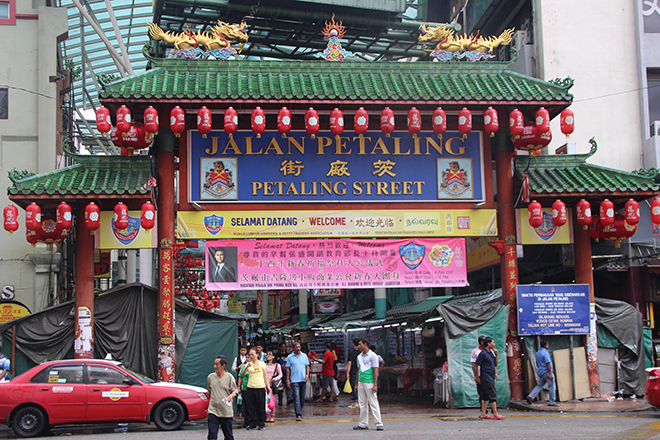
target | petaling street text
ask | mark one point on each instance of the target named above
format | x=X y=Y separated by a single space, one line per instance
x=337 y=188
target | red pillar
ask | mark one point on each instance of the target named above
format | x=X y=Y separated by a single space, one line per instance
x=584 y=275
x=508 y=261
x=165 y=214
x=84 y=314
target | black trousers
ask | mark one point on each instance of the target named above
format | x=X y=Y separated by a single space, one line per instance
x=224 y=423
x=254 y=407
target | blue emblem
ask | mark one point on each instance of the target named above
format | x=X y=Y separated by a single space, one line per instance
x=547 y=229
x=128 y=235
x=214 y=223
x=412 y=254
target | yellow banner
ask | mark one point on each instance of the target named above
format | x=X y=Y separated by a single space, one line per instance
x=133 y=237
x=311 y=224
x=11 y=311
x=480 y=254
x=548 y=233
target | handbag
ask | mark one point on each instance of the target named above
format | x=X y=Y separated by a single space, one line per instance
x=277 y=385
x=348 y=389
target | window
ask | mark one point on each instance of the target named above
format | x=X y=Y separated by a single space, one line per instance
x=104 y=375
x=4 y=103
x=60 y=374
x=4 y=9
x=653 y=84
x=8 y=12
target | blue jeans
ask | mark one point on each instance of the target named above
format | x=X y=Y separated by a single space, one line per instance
x=539 y=386
x=298 y=389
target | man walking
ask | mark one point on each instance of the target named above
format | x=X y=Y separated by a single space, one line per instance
x=473 y=359
x=327 y=373
x=297 y=372
x=367 y=381
x=280 y=358
x=352 y=368
x=544 y=369
x=487 y=363
x=222 y=390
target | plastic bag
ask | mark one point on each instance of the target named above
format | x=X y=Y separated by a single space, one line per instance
x=347 y=387
x=271 y=402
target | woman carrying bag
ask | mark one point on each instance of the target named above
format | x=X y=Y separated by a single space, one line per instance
x=274 y=373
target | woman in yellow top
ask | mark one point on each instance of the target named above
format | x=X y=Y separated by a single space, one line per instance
x=254 y=399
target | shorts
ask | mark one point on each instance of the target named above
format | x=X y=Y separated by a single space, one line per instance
x=479 y=391
x=326 y=381
x=488 y=391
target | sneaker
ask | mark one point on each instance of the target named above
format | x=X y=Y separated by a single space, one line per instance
x=354 y=405
x=261 y=428
x=380 y=428
x=552 y=404
x=360 y=428
x=529 y=400
x=298 y=418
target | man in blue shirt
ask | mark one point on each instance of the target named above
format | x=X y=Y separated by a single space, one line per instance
x=4 y=366
x=544 y=370
x=297 y=372
x=487 y=363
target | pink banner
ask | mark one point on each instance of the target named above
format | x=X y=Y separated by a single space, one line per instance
x=335 y=263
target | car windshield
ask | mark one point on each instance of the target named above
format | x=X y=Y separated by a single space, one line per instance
x=142 y=377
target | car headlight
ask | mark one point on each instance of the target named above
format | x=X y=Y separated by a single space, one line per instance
x=203 y=396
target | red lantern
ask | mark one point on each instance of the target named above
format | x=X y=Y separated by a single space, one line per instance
x=231 y=121
x=414 y=122
x=63 y=217
x=312 y=122
x=31 y=237
x=631 y=212
x=593 y=227
x=583 y=213
x=606 y=212
x=92 y=217
x=136 y=138
x=177 y=121
x=103 y=122
x=49 y=232
x=464 y=122
x=439 y=122
x=558 y=213
x=531 y=140
x=336 y=122
x=151 y=120
x=10 y=214
x=567 y=122
x=491 y=121
x=123 y=119
x=535 y=211
x=148 y=216
x=542 y=120
x=655 y=211
x=32 y=217
x=120 y=219
x=361 y=121
x=117 y=138
x=516 y=123
x=204 y=124
x=387 y=121
x=284 y=121
x=258 y=121
x=618 y=231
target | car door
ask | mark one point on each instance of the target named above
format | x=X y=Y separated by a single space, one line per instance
x=110 y=398
x=61 y=390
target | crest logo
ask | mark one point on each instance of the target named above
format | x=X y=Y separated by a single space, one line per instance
x=547 y=230
x=214 y=223
x=412 y=254
x=455 y=180
x=128 y=235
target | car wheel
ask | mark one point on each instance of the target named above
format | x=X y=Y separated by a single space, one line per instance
x=169 y=415
x=29 y=422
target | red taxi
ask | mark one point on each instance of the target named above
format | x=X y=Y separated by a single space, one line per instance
x=95 y=391
x=652 y=388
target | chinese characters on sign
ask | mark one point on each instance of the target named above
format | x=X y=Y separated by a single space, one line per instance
x=561 y=309
x=337 y=263
x=166 y=305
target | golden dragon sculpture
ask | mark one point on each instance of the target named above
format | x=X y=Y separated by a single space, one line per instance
x=219 y=37
x=447 y=41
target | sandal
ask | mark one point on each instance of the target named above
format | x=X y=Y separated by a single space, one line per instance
x=499 y=417
x=487 y=416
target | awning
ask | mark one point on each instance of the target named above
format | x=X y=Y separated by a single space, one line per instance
x=428 y=304
x=653 y=265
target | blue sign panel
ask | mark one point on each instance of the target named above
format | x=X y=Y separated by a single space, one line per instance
x=374 y=168
x=545 y=309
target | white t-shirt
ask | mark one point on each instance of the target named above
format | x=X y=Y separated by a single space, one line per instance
x=473 y=358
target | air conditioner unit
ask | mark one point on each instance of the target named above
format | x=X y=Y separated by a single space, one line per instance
x=519 y=39
x=655 y=128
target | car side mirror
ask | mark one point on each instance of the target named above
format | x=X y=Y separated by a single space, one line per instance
x=128 y=381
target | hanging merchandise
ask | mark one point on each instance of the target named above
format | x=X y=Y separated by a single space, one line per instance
x=516 y=123
x=63 y=217
x=337 y=122
x=177 y=121
x=618 y=231
x=92 y=217
x=32 y=217
x=559 y=213
x=387 y=121
x=531 y=140
x=204 y=123
x=312 y=122
x=535 y=211
x=631 y=212
x=414 y=122
x=151 y=121
x=148 y=216
x=491 y=121
x=542 y=120
x=464 y=122
x=655 y=210
x=258 y=121
x=606 y=212
x=120 y=218
x=439 y=122
x=583 y=213
x=10 y=214
x=231 y=122
x=136 y=138
x=103 y=121
x=123 y=119
x=284 y=121
x=361 y=121
x=567 y=122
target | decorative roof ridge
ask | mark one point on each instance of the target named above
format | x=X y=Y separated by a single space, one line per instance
x=25 y=176
x=562 y=160
x=104 y=160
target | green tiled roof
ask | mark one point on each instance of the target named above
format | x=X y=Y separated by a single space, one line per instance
x=571 y=174
x=428 y=304
x=92 y=175
x=196 y=79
